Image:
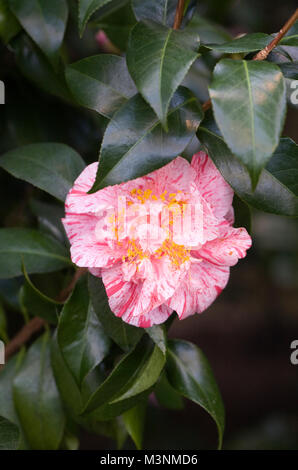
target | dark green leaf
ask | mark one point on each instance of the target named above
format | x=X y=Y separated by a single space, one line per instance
x=249 y=102
x=37 y=399
x=44 y=21
x=291 y=39
x=86 y=10
x=135 y=143
x=9 y=435
x=126 y=336
x=158 y=334
x=118 y=25
x=40 y=253
x=9 y=292
x=49 y=219
x=7 y=374
x=289 y=69
x=242 y=213
x=208 y=31
x=66 y=384
x=80 y=334
x=36 y=68
x=190 y=374
x=134 y=374
x=38 y=303
x=161 y=11
x=167 y=395
x=101 y=83
x=134 y=420
x=3 y=325
x=159 y=64
x=45 y=164
x=247 y=43
x=113 y=410
x=271 y=195
x=283 y=166
x=9 y=25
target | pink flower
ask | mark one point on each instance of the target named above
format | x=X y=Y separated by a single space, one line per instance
x=151 y=257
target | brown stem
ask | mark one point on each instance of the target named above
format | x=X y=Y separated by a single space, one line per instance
x=65 y=292
x=263 y=54
x=23 y=336
x=37 y=323
x=179 y=14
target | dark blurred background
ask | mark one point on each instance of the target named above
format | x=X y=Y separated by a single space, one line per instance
x=246 y=334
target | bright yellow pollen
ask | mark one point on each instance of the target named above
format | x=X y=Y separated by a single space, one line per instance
x=177 y=253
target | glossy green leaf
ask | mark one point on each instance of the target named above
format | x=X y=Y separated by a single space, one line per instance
x=190 y=374
x=37 y=399
x=44 y=21
x=66 y=384
x=38 y=303
x=159 y=64
x=135 y=143
x=291 y=38
x=158 y=334
x=49 y=219
x=81 y=338
x=110 y=411
x=166 y=395
x=86 y=10
x=242 y=213
x=43 y=164
x=3 y=324
x=118 y=25
x=283 y=166
x=7 y=374
x=208 y=31
x=249 y=102
x=160 y=11
x=7 y=407
x=9 y=435
x=36 y=68
x=247 y=43
x=9 y=25
x=40 y=253
x=101 y=83
x=134 y=420
x=136 y=372
x=289 y=69
x=271 y=195
x=9 y=292
x=126 y=336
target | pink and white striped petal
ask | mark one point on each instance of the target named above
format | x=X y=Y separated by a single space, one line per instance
x=86 y=250
x=199 y=288
x=141 y=295
x=212 y=186
x=225 y=250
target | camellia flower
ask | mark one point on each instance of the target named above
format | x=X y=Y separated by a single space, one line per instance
x=163 y=242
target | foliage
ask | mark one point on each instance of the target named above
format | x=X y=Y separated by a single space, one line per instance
x=89 y=369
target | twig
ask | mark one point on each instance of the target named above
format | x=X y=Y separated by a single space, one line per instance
x=37 y=323
x=264 y=52
x=23 y=336
x=179 y=14
x=65 y=292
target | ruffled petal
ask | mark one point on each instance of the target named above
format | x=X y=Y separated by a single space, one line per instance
x=154 y=317
x=212 y=186
x=79 y=201
x=137 y=297
x=199 y=288
x=227 y=249
x=86 y=250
